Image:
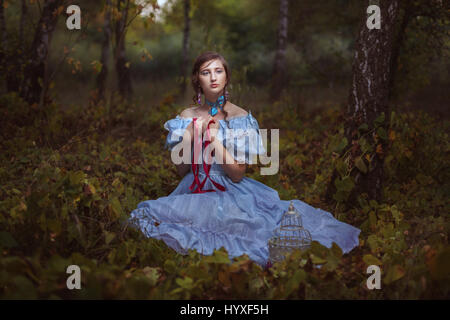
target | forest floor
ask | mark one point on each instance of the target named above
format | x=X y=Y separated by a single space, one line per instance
x=71 y=176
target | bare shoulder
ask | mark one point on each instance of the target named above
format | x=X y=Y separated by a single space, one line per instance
x=188 y=112
x=236 y=111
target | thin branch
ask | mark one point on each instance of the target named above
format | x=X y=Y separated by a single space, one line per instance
x=67 y=53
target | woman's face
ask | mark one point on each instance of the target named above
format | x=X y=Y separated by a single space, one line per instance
x=212 y=77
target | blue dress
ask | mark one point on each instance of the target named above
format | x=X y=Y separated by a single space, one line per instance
x=243 y=217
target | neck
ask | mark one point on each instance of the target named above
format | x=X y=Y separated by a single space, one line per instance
x=212 y=97
x=206 y=107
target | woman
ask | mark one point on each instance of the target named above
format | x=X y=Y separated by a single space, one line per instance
x=214 y=205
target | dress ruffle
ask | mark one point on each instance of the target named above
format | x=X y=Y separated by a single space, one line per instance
x=241 y=219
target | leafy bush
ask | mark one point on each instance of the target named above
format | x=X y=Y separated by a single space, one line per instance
x=71 y=178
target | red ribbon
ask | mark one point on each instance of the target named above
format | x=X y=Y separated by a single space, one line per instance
x=206 y=167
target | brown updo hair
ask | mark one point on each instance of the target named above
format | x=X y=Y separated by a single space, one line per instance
x=199 y=61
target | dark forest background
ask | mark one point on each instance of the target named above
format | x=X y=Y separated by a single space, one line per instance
x=363 y=118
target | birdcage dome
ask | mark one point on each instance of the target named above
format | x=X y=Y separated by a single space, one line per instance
x=289 y=236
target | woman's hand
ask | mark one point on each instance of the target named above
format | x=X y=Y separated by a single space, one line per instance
x=213 y=127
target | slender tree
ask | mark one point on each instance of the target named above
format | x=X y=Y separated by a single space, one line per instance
x=2 y=34
x=279 y=68
x=186 y=34
x=35 y=77
x=17 y=56
x=104 y=59
x=122 y=67
x=24 y=10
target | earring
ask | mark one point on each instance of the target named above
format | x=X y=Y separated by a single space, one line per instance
x=226 y=94
x=199 y=101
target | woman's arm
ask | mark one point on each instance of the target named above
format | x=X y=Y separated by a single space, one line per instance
x=184 y=168
x=232 y=168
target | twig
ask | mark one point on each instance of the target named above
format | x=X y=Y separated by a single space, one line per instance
x=67 y=53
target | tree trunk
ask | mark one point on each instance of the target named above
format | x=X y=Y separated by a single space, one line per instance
x=2 y=38
x=104 y=59
x=122 y=69
x=15 y=55
x=279 y=68
x=400 y=38
x=368 y=101
x=186 y=32
x=22 y=22
x=35 y=84
x=16 y=80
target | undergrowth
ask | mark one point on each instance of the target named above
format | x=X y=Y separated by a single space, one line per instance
x=70 y=179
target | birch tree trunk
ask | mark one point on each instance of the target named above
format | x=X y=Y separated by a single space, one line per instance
x=122 y=68
x=35 y=80
x=279 y=68
x=368 y=110
x=186 y=33
x=104 y=59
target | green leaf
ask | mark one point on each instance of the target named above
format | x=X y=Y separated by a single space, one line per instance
x=366 y=147
x=58 y=264
x=7 y=240
x=318 y=253
x=347 y=184
x=293 y=283
x=170 y=266
x=256 y=284
x=332 y=262
x=394 y=273
x=317 y=260
x=340 y=196
x=341 y=167
x=364 y=127
x=396 y=214
x=109 y=236
x=186 y=283
x=382 y=133
x=363 y=202
x=76 y=178
x=116 y=207
x=371 y=260
x=341 y=146
x=359 y=163
x=392 y=116
x=153 y=274
x=336 y=250
x=373 y=242
x=217 y=257
x=379 y=120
